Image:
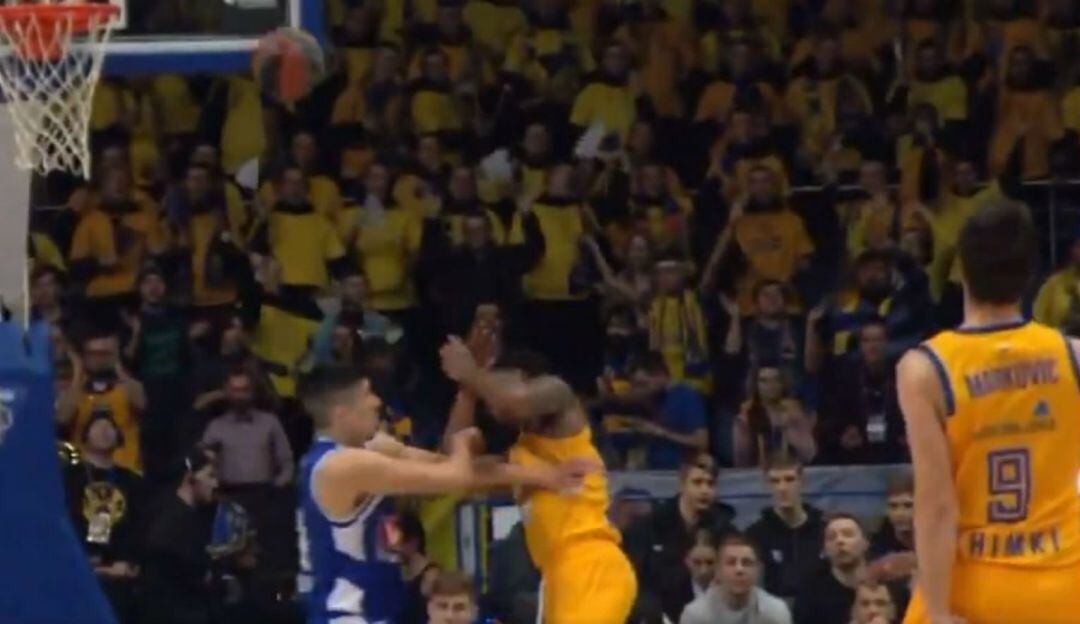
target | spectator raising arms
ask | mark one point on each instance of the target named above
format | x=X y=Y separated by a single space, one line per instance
x=101 y=385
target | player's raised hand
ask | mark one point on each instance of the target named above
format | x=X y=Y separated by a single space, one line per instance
x=457 y=360
x=467 y=443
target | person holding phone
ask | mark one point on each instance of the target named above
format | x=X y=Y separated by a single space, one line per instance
x=100 y=386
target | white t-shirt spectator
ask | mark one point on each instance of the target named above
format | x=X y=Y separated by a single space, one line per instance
x=711 y=608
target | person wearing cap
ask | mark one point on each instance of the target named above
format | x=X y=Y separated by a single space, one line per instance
x=888 y=286
x=106 y=503
x=176 y=564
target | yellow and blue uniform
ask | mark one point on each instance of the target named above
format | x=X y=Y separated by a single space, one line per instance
x=586 y=577
x=1012 y=401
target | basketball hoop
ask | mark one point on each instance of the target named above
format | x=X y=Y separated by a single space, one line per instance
x=51 y=56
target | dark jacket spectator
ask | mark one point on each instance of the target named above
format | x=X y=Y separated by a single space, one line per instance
x=514 y=581
x=827 y=594
x=176 y=568
x=107 y=505
x=477 y=271
x=789 y=533
x=657 y=543
x=859 y=417
x=897 y=532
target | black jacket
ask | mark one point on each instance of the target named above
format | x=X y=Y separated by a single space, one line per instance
x=885 y=542
x=822 y=599
x=788 y=554
x=456 y=279
x=656 y=545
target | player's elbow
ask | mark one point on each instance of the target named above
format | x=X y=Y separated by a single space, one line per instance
x=936 y=510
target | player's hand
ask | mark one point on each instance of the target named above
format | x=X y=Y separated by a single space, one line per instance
x=467 y=443
x=892 y=567
x=458 y=361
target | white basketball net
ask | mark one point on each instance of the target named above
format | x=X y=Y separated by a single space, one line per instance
x=50 y=99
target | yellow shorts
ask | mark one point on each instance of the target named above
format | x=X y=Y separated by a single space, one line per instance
x=590 y=583
x=998 y=595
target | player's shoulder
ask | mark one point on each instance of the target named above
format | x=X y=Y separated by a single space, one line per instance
x=918 y=363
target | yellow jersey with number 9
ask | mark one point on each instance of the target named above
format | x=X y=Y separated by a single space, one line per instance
x=1013 y=424
x=555 y=520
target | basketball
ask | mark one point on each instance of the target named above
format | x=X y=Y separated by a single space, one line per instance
x=287 y=64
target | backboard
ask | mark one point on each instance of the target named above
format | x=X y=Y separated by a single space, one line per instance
x=200 y=36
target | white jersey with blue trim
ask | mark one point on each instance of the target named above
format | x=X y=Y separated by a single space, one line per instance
x=348 y=572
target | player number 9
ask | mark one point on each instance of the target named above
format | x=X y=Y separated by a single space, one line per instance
x=1010 y=485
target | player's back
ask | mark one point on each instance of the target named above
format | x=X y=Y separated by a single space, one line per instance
x=1013 y=426
x=1014 y=436
x=552 y=520
x=348 y=572
x=586 y=576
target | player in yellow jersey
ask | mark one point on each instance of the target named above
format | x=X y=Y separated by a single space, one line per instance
x=586 y=577
x=993 y=418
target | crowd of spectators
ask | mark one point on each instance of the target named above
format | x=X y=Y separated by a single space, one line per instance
x=619 y=187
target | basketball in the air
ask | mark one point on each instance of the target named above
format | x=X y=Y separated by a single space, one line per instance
x=287 y=64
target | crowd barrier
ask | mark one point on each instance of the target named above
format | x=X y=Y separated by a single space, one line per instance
x=855 y=489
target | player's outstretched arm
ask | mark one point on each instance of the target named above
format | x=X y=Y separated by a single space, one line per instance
x=923 y=404
x=386 y=444
x=348 y=475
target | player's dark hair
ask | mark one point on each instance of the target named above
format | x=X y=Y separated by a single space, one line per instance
x=454 y=583
x=997 y=248
x=326 y=387
x=412 y=530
